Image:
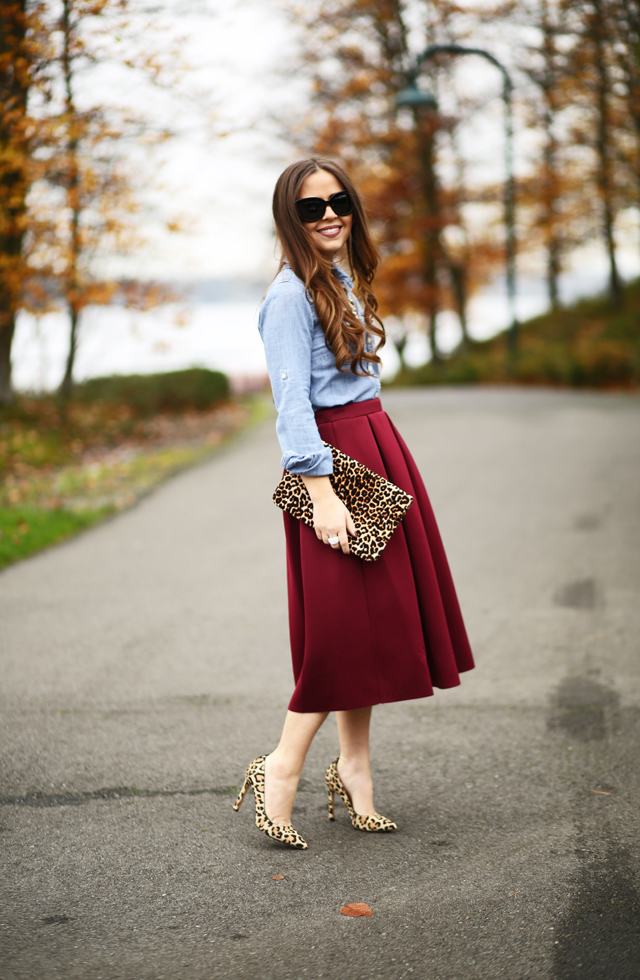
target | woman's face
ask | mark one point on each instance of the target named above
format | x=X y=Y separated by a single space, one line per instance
x=331 y=232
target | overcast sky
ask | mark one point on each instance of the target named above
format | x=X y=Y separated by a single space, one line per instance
x=224 y=183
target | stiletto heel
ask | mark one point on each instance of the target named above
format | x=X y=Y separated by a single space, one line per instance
x=242 y=794
x=372 y=822
x=283 y=832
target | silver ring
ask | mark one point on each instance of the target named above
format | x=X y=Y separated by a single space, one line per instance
x=335 y=540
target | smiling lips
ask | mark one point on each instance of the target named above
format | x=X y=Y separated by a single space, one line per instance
x=332 y=231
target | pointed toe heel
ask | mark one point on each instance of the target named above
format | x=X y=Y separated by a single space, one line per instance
x=373 y=823
x=285 y=833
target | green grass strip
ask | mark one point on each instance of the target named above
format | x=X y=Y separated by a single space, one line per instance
x=24 y=530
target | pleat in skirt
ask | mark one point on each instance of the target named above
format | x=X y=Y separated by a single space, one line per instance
x=365 y=633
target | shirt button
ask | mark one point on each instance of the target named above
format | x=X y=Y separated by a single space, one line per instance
x=284 y=374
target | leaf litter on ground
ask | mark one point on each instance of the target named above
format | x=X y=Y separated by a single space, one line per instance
x=356 y=909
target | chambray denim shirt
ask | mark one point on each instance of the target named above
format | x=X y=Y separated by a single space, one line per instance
x=303 y=371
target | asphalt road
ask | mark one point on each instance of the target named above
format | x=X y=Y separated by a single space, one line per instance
x=143 y=665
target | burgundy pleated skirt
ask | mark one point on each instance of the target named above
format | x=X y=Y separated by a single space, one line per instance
x=365 y=633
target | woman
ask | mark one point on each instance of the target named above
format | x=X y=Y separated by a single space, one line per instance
x=361 y=633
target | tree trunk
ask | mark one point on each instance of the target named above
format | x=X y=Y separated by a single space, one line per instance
x=6 y=338
x=426 y=126
x=400 y=345
x=458 y=281
x=72 y=280
x=553 y=271
x=14 y=84
x=628 y=36
x=603 y=150
x=66 y=386
x=432 y=335
x=550 y=185
x=458 y=266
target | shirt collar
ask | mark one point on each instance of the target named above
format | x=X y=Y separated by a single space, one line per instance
x=342 y=276
x=338 y=272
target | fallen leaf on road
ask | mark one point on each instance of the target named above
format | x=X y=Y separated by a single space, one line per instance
x=355 y=909
x=277 y=877
x=601 y=792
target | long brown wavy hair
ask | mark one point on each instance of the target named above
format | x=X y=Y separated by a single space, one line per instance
x=344 y=331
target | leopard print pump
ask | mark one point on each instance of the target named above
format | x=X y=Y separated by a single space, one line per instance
x=283 y=832
x=373 y=822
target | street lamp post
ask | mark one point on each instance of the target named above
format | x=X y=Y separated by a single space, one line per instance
x=413 y=98
x=425 y=108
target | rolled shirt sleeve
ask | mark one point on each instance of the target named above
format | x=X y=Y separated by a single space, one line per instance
x=286 y=325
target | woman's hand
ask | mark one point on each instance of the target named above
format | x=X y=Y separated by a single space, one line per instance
x=331 y=518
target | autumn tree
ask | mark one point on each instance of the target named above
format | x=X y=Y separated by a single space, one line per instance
x=75 y=169
x=599 y=120
x=92 y=198
x=548 y=79
x=23 y=62
x=576 y=64
x=544 y=192
x=625 y=19
x=359 y=55
x=14 y=86
x=595 y=31
x=581 y=100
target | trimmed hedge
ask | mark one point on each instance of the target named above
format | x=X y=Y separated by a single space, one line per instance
x=148 y=394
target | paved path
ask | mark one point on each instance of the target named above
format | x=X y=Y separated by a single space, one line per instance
x=143 y=665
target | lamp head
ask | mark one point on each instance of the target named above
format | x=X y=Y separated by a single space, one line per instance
x=412 y=97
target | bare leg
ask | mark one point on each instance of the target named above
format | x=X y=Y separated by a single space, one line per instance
x=283 y=767
x=353 y=766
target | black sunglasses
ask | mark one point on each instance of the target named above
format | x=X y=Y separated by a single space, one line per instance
x=313 y=208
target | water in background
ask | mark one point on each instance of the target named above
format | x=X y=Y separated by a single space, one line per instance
x=114 y=340
x=218 y=330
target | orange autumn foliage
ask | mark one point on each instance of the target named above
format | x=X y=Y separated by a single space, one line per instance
x=74 y=179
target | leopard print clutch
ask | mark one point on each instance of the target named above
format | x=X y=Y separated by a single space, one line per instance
x=376 y=505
